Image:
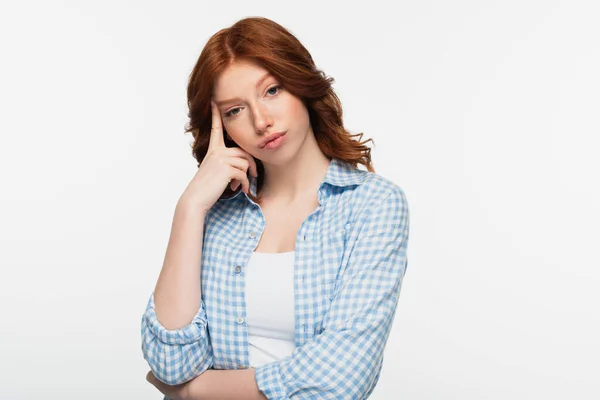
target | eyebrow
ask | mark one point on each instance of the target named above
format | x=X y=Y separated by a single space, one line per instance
x=234 y=99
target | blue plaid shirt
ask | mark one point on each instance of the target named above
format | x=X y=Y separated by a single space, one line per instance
x=350 y=259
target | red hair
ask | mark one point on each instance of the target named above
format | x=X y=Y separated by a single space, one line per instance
x=274 y=48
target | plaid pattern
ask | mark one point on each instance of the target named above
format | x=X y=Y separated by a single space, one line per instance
x=350 y=259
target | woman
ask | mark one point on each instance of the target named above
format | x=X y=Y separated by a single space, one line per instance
x=285 y=261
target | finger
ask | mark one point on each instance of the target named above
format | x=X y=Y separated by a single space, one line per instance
x=238 y=152
x=216 y=129
x=240 y=177
x=239 y=171
x=240 y=163
x=245 y=185
x=252 y=165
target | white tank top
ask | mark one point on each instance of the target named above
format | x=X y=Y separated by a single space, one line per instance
x=270 y=306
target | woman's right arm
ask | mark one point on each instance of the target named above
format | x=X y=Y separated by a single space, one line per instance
x=177 y=293
x=175 y=340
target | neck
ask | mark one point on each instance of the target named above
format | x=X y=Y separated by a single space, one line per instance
x=299 y=177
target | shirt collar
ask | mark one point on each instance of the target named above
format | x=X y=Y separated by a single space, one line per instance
x=341 y=173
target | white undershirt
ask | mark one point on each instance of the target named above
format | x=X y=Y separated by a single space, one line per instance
x=270 y=306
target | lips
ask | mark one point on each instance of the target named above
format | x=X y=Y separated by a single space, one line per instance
x=270 y=138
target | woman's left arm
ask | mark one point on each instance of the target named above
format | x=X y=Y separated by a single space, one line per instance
x=344 y=361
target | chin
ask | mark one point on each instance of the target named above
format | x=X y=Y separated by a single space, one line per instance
x=280 y=159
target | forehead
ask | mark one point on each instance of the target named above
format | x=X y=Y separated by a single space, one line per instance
x=237 y=78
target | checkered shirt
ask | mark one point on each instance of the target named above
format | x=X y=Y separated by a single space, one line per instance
x=350 y=260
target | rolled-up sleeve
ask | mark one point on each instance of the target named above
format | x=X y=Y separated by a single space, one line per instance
x=179 y=355
x=344 y=361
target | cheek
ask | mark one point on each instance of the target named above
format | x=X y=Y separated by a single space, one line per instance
x=228 y=127
x=292 y=108
x=241 y=133
x=234 y=129
x=299 y=112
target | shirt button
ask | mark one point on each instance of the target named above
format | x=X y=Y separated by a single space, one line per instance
x=238 y=269
x=240 y=320
x=252 y=235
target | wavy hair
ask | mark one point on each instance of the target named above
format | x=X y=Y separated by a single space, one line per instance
x=271 y=46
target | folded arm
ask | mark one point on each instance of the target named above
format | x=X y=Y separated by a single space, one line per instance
x=179 y=355
x=344 y=361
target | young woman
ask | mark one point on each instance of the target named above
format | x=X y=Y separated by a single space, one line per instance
x=285 y=261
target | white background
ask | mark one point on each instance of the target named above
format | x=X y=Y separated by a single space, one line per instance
x=486 y=113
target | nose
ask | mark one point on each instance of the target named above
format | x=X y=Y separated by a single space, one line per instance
x=262 y=118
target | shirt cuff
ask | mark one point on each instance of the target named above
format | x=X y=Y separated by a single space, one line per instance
x=188 y=334
x=268 y=380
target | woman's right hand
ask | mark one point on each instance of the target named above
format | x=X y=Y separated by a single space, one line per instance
x=221 y=166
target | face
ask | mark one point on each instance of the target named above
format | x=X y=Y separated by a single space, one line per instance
x=254 y=105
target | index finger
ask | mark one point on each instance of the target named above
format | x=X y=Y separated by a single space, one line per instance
x=216 y=130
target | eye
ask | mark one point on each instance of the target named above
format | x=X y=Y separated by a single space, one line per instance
x=277 y=87
x=231 y=113
x=273 y=90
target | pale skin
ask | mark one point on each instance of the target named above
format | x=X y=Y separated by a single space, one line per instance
x=249 y=105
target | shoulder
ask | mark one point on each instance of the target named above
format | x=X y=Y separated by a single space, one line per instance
x=381 y=209
x=376 y=189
